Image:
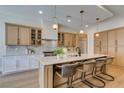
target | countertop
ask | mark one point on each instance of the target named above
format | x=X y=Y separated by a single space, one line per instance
x=53 y=60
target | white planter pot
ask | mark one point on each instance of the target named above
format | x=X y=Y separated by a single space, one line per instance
x=58 y=57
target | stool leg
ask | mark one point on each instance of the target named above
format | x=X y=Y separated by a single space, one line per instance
x=84 y=81
x=94 y=76
x=103 y=71
x=88 y=83
x=70 y=82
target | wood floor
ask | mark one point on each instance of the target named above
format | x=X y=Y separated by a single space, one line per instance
x=29 y=79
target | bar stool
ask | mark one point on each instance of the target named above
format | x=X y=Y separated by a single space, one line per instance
x=101 y=64
x=85 y=67
x=67 y=71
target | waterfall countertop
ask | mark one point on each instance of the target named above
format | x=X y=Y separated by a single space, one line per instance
x=53 y=59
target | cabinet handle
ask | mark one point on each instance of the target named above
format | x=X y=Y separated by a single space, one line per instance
x=116 y=42
x=116 y=49
x=100 y=49
x=18 y=41
x=100 y=46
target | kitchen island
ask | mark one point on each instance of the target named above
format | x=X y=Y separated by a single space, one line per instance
x=46 y=66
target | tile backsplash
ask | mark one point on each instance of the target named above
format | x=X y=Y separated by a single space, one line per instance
x=22 y=50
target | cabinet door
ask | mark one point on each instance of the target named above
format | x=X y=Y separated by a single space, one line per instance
x=11 y=34
x=22 y=63
x=70 y=40
x=104 y=42
x=24 y=36
x=38 y=39
x=33 y=62
x=97 y=44
x=66 y=40
x=74 y=40
x=101 y=43
x=8 y=64
x=111 y=45
x=120 y=47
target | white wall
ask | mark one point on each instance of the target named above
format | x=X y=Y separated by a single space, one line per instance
x=112 y=23
x=48 y=32
x=67 y=29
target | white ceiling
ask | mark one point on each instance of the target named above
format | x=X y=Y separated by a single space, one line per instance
x=91 y=12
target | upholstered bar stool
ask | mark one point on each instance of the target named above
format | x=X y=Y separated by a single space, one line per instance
x=88 y=66
x=67 y=71
x=101 y=67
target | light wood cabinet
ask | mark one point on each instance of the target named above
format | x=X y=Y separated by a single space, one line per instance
x=70 y=39
x=97 y=45
x=120 y=47
x=112 y=44
x=12 y=34
x=74 y=40
x=36 y=36
x=104 y=42
x=81 y=37
x=101 y=43
x=66 y=39
x=23 y=35
x=116 y=45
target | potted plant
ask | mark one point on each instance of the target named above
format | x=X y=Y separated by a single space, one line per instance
x=58 y=52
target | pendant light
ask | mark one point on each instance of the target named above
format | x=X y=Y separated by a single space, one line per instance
x=97 y=20
x=55 y=25
x=68 y=19
x=81 y=30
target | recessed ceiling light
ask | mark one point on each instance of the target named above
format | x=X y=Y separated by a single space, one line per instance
x=69 y=20
x=40 y=12
x=86 y=26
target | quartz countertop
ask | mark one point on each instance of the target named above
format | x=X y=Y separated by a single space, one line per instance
x=53 y=59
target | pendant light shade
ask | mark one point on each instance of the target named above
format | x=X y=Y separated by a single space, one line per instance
x=81 y=30
x=55 y=25
x=97 y=34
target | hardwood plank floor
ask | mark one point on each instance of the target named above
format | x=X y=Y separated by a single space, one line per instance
x=29 y=79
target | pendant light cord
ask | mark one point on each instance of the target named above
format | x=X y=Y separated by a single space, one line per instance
x=97 y=20
x=81 y=12
x=55 y=11
x=55 y=17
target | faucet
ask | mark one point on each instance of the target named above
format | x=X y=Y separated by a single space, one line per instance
x=79 y=50
x=30 y=51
